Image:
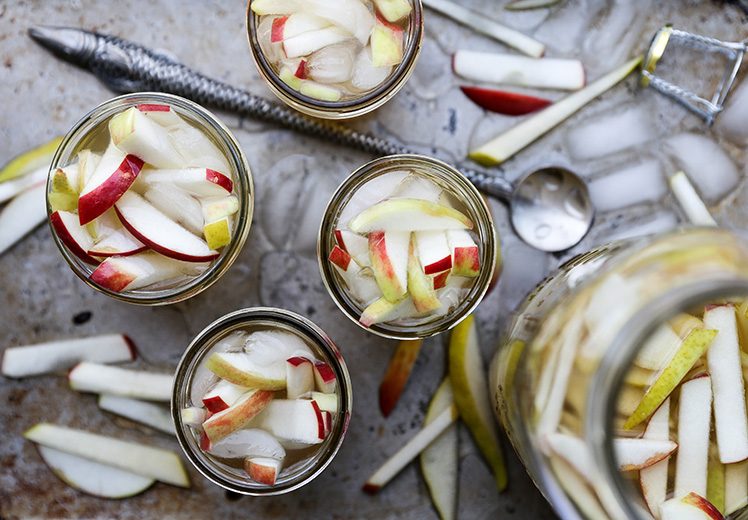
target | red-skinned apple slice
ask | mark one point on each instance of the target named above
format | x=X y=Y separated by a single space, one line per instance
x=504 y=102
x=299 y=377
x=409 y=215
x=397 y=374
x=286 y=27
x=340 y=258
x=635 y=454
x=295 y=423
x=237 y=416
x=178 y=205
x=114 y=174
x=135 y=133
x=240 y=369
x=355 y=245
x=223 y=395
x=691 y=506
x=308 y=42
x=694 y=420
x=118 y=243
x=433 y=251
x=251 y=442
x=263 y=470
x=73 y=235
x=105 y=379
x=159 y=232
x=465 y=253
x=324 y=377
x=193 y=416
x=440 y=280
x=150 y=414
x=420 y=285
x=386 y=44
x=163 y=115
x=389 y=261
x=653 y=480
x=200 y=182
x=45 y=358
x=129 y=273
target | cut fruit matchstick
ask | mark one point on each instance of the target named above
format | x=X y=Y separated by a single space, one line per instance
x=653 y=480
x=388 y=251
x=128 y=273
x=181 y=207
x=355 y=245
x=386 y=44
x=410 y=451
x=636 y=454
x=694 y=420
x=223 y=395
x=238 y=415
x=409 y=215
x=105 y=379
x=397 y=374
x=240 y=369
x=150 y=414
x=324 y=378
x=503 y=102
x=693 y=205
x=200 y=182
x=22 y=215
x=299 y=377
x=295 y=423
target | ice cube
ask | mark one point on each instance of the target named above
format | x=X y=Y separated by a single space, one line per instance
x=733 y=122
x=376 y=190
x=272 y=51
x=706 y=164
x=610 y=41
x=564 y=29
x=611 y=133
x=365 y=75
x=417 y=187
x=333 y=64
x=643 y=182
x=279 y=197
x=321 y=184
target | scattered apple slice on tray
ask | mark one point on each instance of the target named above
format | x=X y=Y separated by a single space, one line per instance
x=22 y=215
x=397 y=374
x=504 y=102
x=31 y=160
x=11 y=188
x=150 y=414
x=105 y=379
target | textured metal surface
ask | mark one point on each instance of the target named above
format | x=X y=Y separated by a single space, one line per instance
x=295 y=175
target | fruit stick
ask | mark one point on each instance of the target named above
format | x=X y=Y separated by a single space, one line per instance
x=105 y=379
x=693 y=205
x=31 y=160
x=22 y=215
x=150 y=414
x=653 y=480
x=503 y=102
x=694 y=419
x=397 y=374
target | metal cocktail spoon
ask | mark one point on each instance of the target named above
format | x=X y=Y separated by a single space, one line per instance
x=550 y=209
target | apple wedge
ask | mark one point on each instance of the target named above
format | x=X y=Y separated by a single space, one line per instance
x=156 y=463
x=728 y=388
x=141 y=270
x=200 y=182
x=393 y=10
x=250 y=442
x=736 y=487
x=381 y=311
x=577 y=487
x=150 y=414
x=21 y=215
x=308 y=42
x=388 y=251
x=240 y=369
x=320 y=91
x=105 y=379
x=653 y=480
x=409 y=215
x=45 y=358
x=263 y=470
x=397 y=374
x=222 y=396
x=439 y=460
x=326 y=402
x=31 y=160
x=193 y=416
x=94 y=478
x=65 y=187
x=421 y=286
x=73 y=235
x=465 y=253
x=161 y=114
x=468 y=376
x=355 y=245
x=504 y=102
x=118 y=243
x=694 y=420
x=295 y=423
x=433 y=251
x=350 y=15
x=285 y=27
x=690 y=201
x=635 y=454
x=386 y=44
x=690 y=351
x=136 y=134
x=411 y=450
x=11 y=188
x=114 y=174
x=299 y=377
x=88 y=162
x=691 y=506
x=159 y=232
x=324 y=378
x=512 y=141
x=237 y=416
x=179 y=206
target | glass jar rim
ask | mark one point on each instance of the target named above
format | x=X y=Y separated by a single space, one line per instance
x=369 y=101
x=484 y=226
x=201 y=345
x=245 y=192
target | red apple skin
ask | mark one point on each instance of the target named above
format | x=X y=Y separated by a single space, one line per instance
x=297 y=360
x=440 y=280
x=259 y=473
x=467 y=261
x=371 y=489
x=301 y=70
x=153 y=107
x=380 y=260
x=702 y=503
x=95 y=203
x=276 y=31
x=397 y=375
x=205 y=443
x=339 y=240
x=108 y=277
x=219 y=179
x=503 y=102
x=215 y=404
x=340 y=257
x=224 y=423
x=439 y=266
x=131 y=346
x=68 y=240
x=320 y=420
x=325 y=372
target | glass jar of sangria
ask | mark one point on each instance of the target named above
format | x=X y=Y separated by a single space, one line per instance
x=622 y=382
x=335 y=60
x=262 y=400
x=407 y=247
x=150 y=198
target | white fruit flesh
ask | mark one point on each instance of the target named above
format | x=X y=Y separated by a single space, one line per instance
x=142 y=270
x=223 y=395
x=94 y=478
x=10 y=189
x=689 y=199
x=386 y=44
x=465 y=253
x=294 y=422
x=694 y=419
x=241 y=369
x=575 y=452
x=88 y=162
x=324 y=378
x=728 y=388
x=433 y=251
x=326 y=402
x=299 y=377
x=216 y=208
x=420 y=285
x=319 y=91
x=153 y=415
x=197 y=149
x=135 y=133
x=690 y=507
x=21 y=215
x=248 y=443
x=178 y=206
x=636 y=454
x=263 y=470
x=409 y=215
x=350 y=15
x=296 y=24
x=382 y=310
x=222 y=424
x=45 y=358
x=577 y=488
x=736 y=487
x=117 y=243
x=104 y=379
x=200 y=182
x=393 y=10
x=355 y=245
x=507 y=69
x=163 y=115
x=306 y=43
x=192 y=416
x=659 y=349
x=653 y=479
x=72 y=234
x=388 y=252
x=162 y=465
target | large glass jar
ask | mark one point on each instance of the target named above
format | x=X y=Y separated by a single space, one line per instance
x=576 y=388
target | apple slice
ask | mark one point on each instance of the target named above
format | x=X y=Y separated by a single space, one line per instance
x=691 y=506
x=218 y=234
x=690 y=351
x=440 y=280
x=410 y=451
x=574 y=451
x=45 y=358
x=690 y=201
x=350 y=15
x=93 y=477
x=65 y=187
x=355 y=245
x=393 y=10
x=285 y=27
x=104 y=379
x=439 y=461
x=265 y=7
x=324 y=378
x=223 y=395
x=159 y=464
x=200 y=182
x=73 y=235
x=636 y=454
x=382 y=310
x=134 y=133
x=433 y=251
x=420 y=286
x=299 y=377
x=659 y=349
x=308 y=42
x=653 y=480
x=21 y=215
x=397 y=374
x=409 y=215
x=240 y=369
x=161 y=114
x=159 y=232
x=263 y=470
x=320 y=91
x=153 y=415
x=471 y=395
x=193 y=416
x=118 y=243
x=178 y=205
x=465 y=253
x=577 y=488
x=694 y=419
x=197 y=149
x=30 y=160
x=389 y=262
x=237 y=416
x=326 y=402
x=88 y=162
x=362 y=286
x=504 y=102
x=219 y=207
x=288 y=76
x=515 y=139
x=250 y=442
x=386 y=44
x=728 y=388
x=295 y=423
x=736 y=486
x=114 y=174
x=142 y=270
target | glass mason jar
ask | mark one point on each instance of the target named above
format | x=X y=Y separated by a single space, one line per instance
x=350 y=107
x=192 y=364
x=571 y=372
x=460 y=190
x=85 y=134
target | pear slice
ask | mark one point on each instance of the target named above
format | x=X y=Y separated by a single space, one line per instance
x=471 y=395
x=439 y=461
x=398 y=373
x=30 y=160
x=736 y=487
x=692 y=348
x=653 y=480
x=715 y=479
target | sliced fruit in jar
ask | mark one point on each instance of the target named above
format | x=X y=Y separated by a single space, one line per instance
x=163 y=115
x=162 y=465
x=397 y=375
x=433 y=251
x=285 y=27
x=250 y=442
x=263 y=470
x=299 y=377
x=88 y=162
x=216 y=208
x=388 y=251
x=193 y=416
x=319 y=91
x=45 y=358
x=355 y=245
x=129 y=273
x=659 y=349
x=65 y=186
x=350 y=15
x=409 y=215
x=105 y=379
x=420 y=286
x=326 y=402
x=636 y=454
x=295 y=423
x=306 y=43
x=73 y=235
x=386 y=44
x=240 y=369
x=237 y=416
x=465 y=253
x=471 y=395
x=135 y=133
x=694 y=420
x=200 y=182
x=324 y=377
x=393 y=10
x=178 y=205
x=736 y=483
x=503 y=102
x=689 y=507
x=653 y=480
x=218 y=234
x=264 y=7
x=223 y=395
x=150 y=414
x=118 y=243
x=362 y=286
